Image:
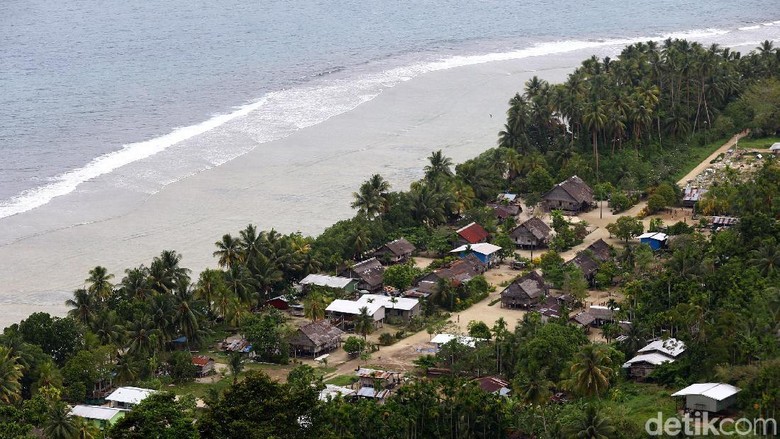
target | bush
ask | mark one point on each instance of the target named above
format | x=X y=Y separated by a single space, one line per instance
x=656 y=203
x=386 y=339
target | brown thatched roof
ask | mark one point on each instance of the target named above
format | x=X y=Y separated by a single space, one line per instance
x=369 y=271
x=601 y=250
x=577 y=189
x=530 y=285
x=587 y=264
x=400 y=247
x=536 y=227
x=319 y=333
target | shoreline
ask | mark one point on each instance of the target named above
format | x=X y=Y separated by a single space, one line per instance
x=302 y=182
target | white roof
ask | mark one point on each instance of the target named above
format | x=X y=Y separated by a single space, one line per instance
x=95 y=412
x=402 y=303
x=653 y=358
x=507 y=196
x=482 y=248
x=658 y=236
x=441 y=339
x=775 y=147
x=716 y=391
x=324 y=280
x=129 y=395
x=331 y=392
x=352 y=307
x=671 y=347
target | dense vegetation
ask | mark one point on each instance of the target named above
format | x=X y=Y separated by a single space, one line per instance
x=627 y=125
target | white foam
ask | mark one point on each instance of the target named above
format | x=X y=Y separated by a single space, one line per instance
x=750 y=27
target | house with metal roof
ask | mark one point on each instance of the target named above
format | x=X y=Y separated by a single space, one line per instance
x=128 y=397
x=494 y=385
x=487 y=253
x=402 y=307
x=656 y=240
x=692 y=195
x=572 y=195
x=322 y=280
x=708 y=397
x=472 y=233
x=369 y=273
x=101 y=417
x=340 y=312
x=653 y=355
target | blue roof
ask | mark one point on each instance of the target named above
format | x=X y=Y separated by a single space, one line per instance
x=182 y=339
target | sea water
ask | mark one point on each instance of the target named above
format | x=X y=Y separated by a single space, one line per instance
x=89 y=87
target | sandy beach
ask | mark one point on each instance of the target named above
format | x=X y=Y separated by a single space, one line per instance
x=301 y=183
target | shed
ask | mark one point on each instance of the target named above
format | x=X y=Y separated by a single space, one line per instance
x=370 y=274
x=494 y=385
x=395 y=251
x=692 y=195
x=709 y=397
x=723 y=222
x=203 y=365
x=472 y=233
x=775 y=148
x=102 y=417
x=571 y=195
x=532 y=233
x=279 y=302
x=128 y=397
x=524 y=291
x=322 y=280
x=656 y=240
x=315 y=338
x=486 y=253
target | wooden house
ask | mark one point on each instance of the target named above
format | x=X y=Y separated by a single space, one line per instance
x=128 y=397
x=524 y=291
x=460 y=271
x=315 y=338
x=487 y=253
x=653 y=355
x=204 y=365
x=369 y=273
x=572 y=195
x=395 y=252
x=533 y=233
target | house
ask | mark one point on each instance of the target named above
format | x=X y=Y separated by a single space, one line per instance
x=376 y=384
x=656 y=240
x=494 y=385
x=600 y=250
x=595 y=316
x=533 y=233
x=722 y=222
x=281 y=303
x=402 y=307
x=709 y=397
x=441 y=339
x=341 y=312
x=315 y=338
x=369 y=273
x=504 y=211
x=331 y=392
x=395 y=252
x=525 y=291
x=653 y=355
x=486 y=253
x=692 y=195
x=472 y=233
x=458 y=272
x=204 y=365
x=322 y=280
x=128 y=397
x=101 y=417
x=237 y=344
x=587 y=264
x=572 y=195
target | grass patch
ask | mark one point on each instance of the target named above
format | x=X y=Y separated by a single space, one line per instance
x=695 y=155
x=494 y=301
x=641 y=401
x=199 y=390
x=763 y=143
x=342 y=380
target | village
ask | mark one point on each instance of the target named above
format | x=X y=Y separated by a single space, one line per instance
x=378 y=312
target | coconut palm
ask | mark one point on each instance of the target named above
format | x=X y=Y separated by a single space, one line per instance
x=766 y=258
x=364 y=323
x=135 y=284
x=314 y=306
x=86 y=429
x=239 y=281
x=60 y=424
x=595 y=118
x=236 y=365
x=534 y=388
x=108 y=329
x=99 y=283
x=438 y=165
x=210 y=282
x=592 y=425
x=84 y=306
x=228 y=251
x=143 y=337
x=10 y=374
x=591 y=371
x=48 y=376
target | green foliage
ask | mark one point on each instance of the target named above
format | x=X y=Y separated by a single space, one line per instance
x=181 y=368
x=479 y=329
x=386 y=339
x=58 y=337
x=160 y=416
x=552 y=267
x=354 y=345
x=656 y=203
x=268 y=335
x=548 y=350
x=401 y=276
x=626 y=228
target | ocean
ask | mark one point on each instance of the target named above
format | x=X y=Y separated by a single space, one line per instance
x=90 y=87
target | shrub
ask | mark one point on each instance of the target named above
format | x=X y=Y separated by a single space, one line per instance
x=386 y=339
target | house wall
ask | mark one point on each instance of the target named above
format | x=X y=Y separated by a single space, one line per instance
x=699 y=402
x=523 y=237
x=558 y=198
x=641 y=370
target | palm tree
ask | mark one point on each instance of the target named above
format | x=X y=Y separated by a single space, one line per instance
x=60 y=424
x=534 y=389
x=86 y=430
x=187 y=316
x=209 y=285
x=108 y=329
x=591 y=371
x=766 y=258
x=143 y=337
x=126 y=369
x=438 y=165
x=228 y=251
x=135 y=284
x=427 y=206
x=48 y=376
x=364 y=323
x=99 y=282
x=595 y=118
x=592 y=425
x=314 y=307
x=10 y=374
x=240 y=282
x=84 y=306
x=236 y=365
